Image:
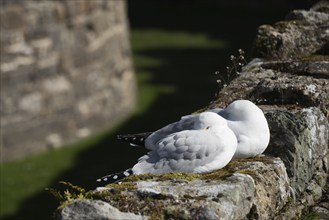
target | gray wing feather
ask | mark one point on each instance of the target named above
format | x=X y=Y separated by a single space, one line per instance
x=182 y=151
x=186 y=123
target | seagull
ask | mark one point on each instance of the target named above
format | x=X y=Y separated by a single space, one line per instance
x=197 y=143
x=249 y=125
x=183 y=146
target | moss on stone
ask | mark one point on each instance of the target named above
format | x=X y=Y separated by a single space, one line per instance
x=314 y=58
x=263 y=159
x=140 y=177
x=218 y=174
x=311 y=216
x=74 y=192
x=248 y=172
x=121 y=196
x=319 y=180
x=122 y=185
x=288 y=206
x=286 y=24
x=182 y=176
x=231 y=168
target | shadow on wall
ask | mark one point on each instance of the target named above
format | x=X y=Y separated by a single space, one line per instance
x=189 y=70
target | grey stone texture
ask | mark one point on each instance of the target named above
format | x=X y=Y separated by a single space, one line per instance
x=257 y=188
x=211 y=199
x=66 y=72
x=300 y=139
x=95 y=209
x=288 y=79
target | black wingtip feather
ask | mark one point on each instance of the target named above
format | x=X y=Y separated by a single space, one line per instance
x=115 y=177
x=134 y=139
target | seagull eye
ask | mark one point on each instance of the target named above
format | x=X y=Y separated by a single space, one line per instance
x=207 y=127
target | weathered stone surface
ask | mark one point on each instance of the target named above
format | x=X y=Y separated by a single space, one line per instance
x=257 y=188
x=230 y=198
x=293 y=70
x=302 y=33
x=65 y=68
x=95 y=209
x=272 y=187
x=292 y=87
x=266 y=86
x=300 y=139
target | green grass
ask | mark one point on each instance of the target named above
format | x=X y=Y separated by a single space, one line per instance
x=173 y=40
x=155 y=40
x=24 y=178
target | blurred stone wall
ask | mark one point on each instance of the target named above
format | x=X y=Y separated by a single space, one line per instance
x=66 y=72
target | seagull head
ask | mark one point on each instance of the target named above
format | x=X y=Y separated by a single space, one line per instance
x=211 y=119
x=240 y=110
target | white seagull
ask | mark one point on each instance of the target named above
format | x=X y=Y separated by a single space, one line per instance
x=249 y=125
x=202 y=142
x=197 y=143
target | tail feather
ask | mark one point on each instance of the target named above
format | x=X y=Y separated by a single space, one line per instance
x=115 y=177
x=134 y=139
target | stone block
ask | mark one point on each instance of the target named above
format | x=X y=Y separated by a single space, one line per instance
x=256 y=188
x=55 y=56
x=95 y=210
x=300 y=139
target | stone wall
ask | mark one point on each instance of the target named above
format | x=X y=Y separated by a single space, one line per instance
x=288 y=79
x=66 y=72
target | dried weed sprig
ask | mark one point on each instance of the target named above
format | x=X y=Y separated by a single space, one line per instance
x=233 y=70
